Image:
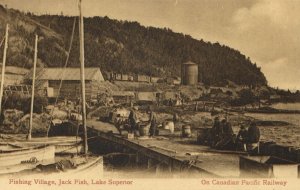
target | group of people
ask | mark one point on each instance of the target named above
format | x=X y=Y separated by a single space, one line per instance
x=135 y=124
x=248 y=136
x=223 y=137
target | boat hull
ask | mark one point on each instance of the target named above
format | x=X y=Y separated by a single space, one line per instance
x=63 y=144
x=267 y=167
x=92 y=169
x=42 y=153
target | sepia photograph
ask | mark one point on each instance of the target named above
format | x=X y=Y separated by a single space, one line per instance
x=149 y=94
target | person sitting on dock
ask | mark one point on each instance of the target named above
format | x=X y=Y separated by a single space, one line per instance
x=253 y=133
x=152 y=121
x=242 y=137
x=253 y=137
x=227 y=128
x=227 y=137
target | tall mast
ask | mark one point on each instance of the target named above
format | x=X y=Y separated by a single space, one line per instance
x=3 y=67
x=32 y=87
x=81 y=36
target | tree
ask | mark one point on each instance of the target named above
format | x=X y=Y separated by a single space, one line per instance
x=264 y=94
x=247 y=96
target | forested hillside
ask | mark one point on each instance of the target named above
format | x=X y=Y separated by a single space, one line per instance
x=123 y=46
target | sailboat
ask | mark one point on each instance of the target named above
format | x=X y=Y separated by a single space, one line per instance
x=81 y=166
x=63 y=144
x=13 y=156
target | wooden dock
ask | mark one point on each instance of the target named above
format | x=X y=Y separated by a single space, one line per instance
x=178 y=154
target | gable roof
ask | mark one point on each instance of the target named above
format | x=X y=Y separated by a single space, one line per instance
x=91 y=73
x=14 y=70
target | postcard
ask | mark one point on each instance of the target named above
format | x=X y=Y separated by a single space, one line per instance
x=159 y=94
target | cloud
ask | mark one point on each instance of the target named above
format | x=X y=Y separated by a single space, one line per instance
x=281 y=74
x=268 y=32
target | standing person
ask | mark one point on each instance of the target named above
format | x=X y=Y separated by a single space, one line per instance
x=152 y=123
x=132 y=118
x=175 y=118
x=196 y=106
x=219 y=133
x=215 y=131
x=170 y=102
x=158 y=99
x=222 y=126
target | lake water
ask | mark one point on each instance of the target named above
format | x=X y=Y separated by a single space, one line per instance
x=287 y=106
x=285 y=135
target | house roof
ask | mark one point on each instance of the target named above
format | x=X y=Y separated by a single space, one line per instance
x=91 y=73
x=15 y=70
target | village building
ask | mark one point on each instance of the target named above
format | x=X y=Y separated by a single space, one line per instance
x=14 y=81
x=123 y=96
x=14 y=75
x=142 y=78
x=48 y=82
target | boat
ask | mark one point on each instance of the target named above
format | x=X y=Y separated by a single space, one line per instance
x=7 y=147
x=81 y=166
x=267 y=167
x=63 y=144
x=75 y=166
x=34 y=154
x=13 y=154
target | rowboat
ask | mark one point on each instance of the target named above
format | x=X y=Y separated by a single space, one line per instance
x=267 y=167
x=23 y=155
x=63 y=144
x=73 y=168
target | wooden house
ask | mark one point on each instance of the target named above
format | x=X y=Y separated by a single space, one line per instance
x=142 y=78
x=14 y=75
x=48 y=81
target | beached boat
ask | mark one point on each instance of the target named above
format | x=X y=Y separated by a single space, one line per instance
x=21 y=155
x=7 y=147
x=85 y=166
x=12 y=156
x=63 y=144
x=82 y=167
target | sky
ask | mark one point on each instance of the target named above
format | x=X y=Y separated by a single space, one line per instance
x=267 y=31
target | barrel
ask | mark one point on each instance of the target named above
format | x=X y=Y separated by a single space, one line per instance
x=165 y=125
x=144 y=130
x=186 y=131
x=171 y=126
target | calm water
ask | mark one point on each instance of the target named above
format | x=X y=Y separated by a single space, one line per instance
x=286 y=135
x=287 y=106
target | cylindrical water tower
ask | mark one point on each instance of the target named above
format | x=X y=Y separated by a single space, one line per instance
x=189 y=73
